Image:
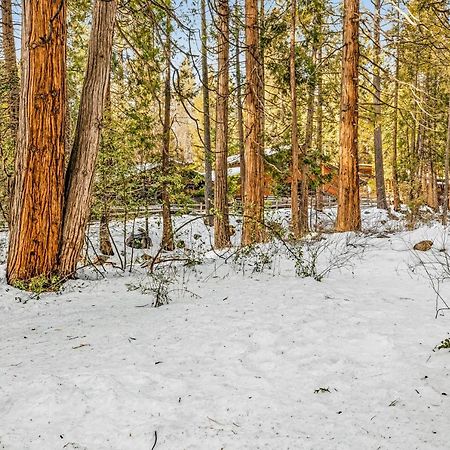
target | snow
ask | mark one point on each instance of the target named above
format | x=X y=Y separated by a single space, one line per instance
x=232 y=171
x=239 y=359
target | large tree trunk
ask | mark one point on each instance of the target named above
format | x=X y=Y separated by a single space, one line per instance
x=349 y=214
x=206 y=120
x=377 y=136
x=221 y=221
x=81 y=169
x=295 y=211
x=167 y=238
x=253 y=228
x=12 y=76
x=37 y=201
x=240 y=117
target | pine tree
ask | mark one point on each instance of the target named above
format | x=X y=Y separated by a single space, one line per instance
x=253 y=229
x=349 y=214
x=221 y=221
x=83 y=157
x=37 y=201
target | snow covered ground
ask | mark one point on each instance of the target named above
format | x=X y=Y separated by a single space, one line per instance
x=247 y=355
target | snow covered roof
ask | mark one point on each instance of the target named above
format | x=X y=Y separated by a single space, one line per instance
x=232 y=171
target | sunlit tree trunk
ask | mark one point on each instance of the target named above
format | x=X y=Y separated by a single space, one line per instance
x=349 y=214
x=294 y=128
x=262 y=20
x=447 y=167
x=221 y=222
x=12 y=76
x=81 y=169
x=37 y=200
x=253 y=230
x=377 y=135
x=319 y=135
x=395 y=188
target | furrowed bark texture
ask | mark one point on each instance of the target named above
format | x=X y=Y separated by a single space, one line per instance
x=37 y=201
x=377 y=135
x=253 y=230
x=81 y=169
x=349 y=214
x=221 y=221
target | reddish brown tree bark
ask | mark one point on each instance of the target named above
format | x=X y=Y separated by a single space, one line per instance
x=206 y=119
x=240 y=116
x=37 y=201
x=395 y=188
x=349 y=214
x=253 y=229
x=295 y=210
x=12 y=76
x=221 y=221
x=377 y=134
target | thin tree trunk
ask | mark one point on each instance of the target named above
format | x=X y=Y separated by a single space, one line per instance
x=12 y=76
x=105 y=239
x=319 y=136
x=167 y=239
x=262 y=20
x=37 y=200
x=81 y=169
x=104 y=234
x=240 y=119
x=295 y=210
x=221 y=221
x=349 y=214
x=447 y=166
x=206 y=120
x=377 y=134
x=253 y=230
x=304 y=194
x=395 y=189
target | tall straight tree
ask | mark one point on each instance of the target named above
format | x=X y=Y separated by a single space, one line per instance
x=395 y=189
x=167 y=239
x=445 y=200
x=295 y=211
x=206 y=118
x=306 y=148
x=253 y=228
x=81 y=169
x=377 y=135
x=240 y=116
x=221 y=221
x=349 y=214
x=12 y=76
x=37 y=201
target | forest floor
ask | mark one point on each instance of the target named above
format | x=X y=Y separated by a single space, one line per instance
x=246 y=355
